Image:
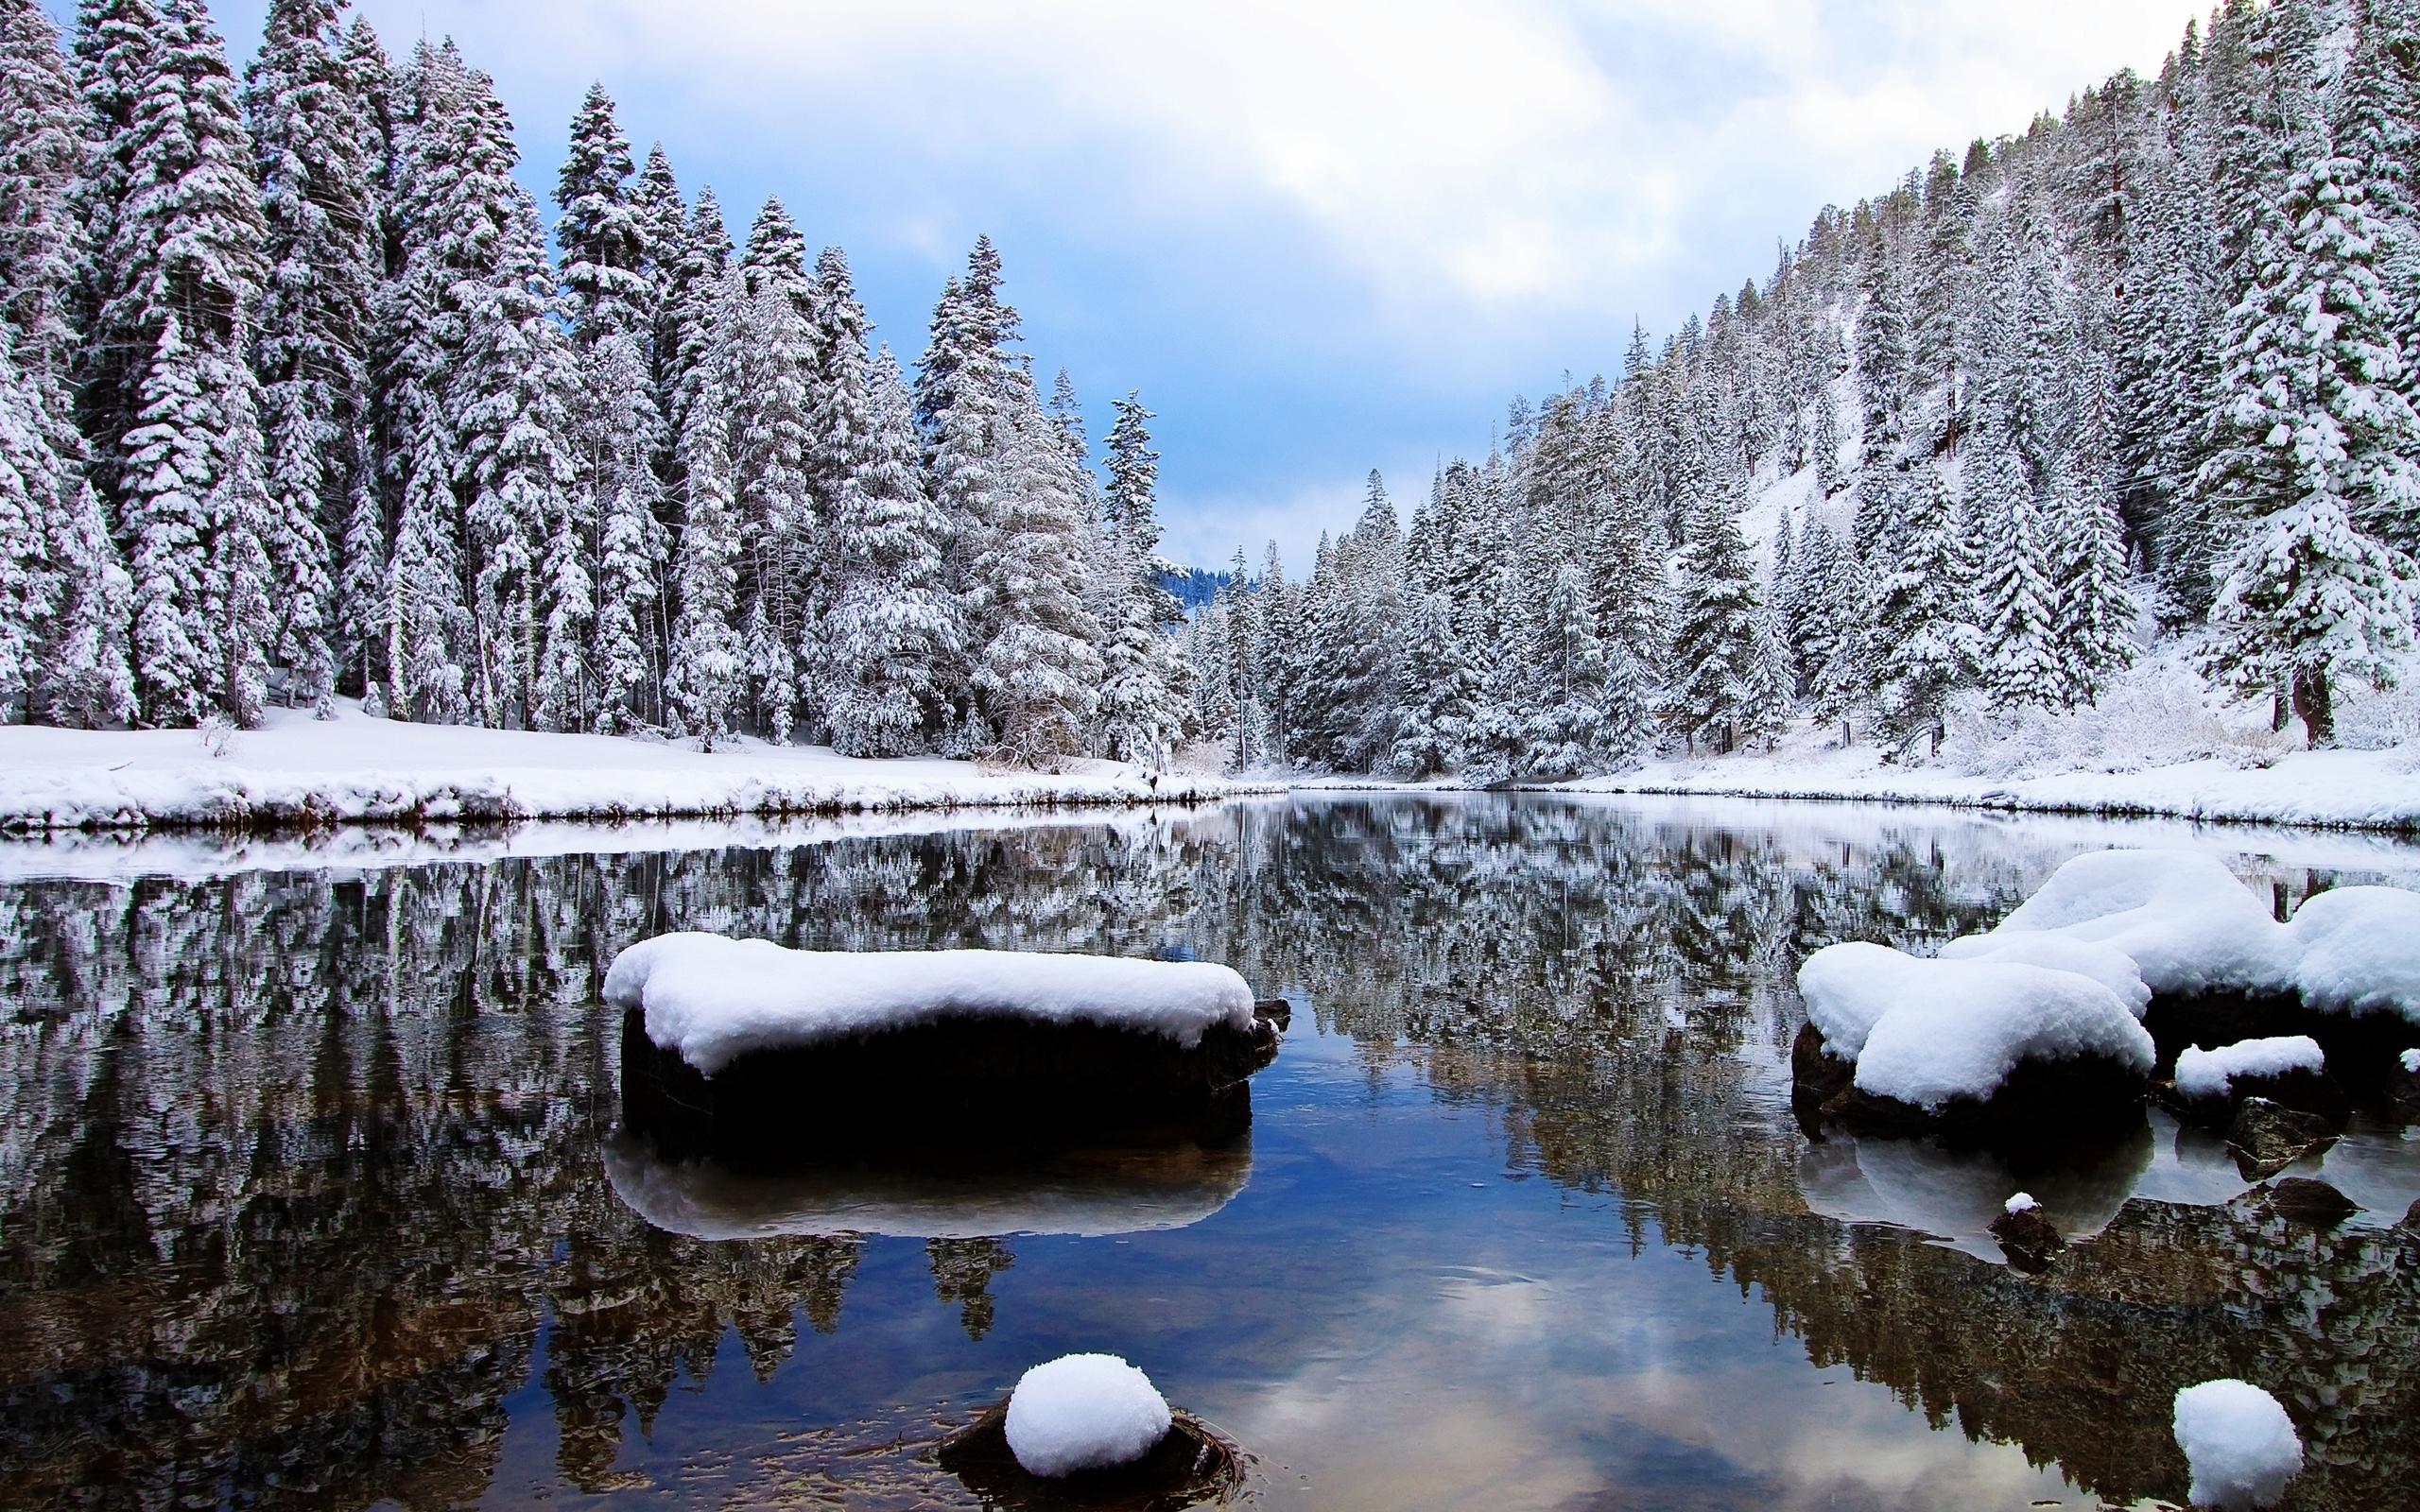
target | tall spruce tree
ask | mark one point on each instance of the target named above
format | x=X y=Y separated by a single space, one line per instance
x=312 y=141
x=168 y=397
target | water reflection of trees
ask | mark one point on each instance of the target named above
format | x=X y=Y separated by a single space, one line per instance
x=299 y=1172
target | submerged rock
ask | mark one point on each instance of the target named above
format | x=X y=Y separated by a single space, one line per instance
x=2037 y=1098
x=2027 y=1236
x=2268 y=1137
x=2313 y=1204
x=1192 y=1464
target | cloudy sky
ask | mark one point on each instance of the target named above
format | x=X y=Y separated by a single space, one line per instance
x=1319 y=238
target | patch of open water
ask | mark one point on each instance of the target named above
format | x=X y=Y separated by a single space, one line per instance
x=311 y=1193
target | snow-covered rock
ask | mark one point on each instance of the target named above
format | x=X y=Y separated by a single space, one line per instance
x=2181 y=916
x=1083 y=1412
x=2022 y=1202
x=1925 y=1032
x=1969 y=1023
x=2239 y=1444
x=2190 y=928
x=2212 y=1072
x=2110 y=967
x=710 y=999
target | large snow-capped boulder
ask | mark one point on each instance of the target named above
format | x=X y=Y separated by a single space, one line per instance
x=732 y=1047
x=1972 y=1043
x=710 y=998
x=2191 y=928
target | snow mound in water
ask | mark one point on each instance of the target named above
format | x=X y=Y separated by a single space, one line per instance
x=1925 y=1032
x=1083 y=1412
x=2181 y=916
x=2211 y=1072
x=2112 y=967
x=2022 y=1202
x=2358 y=950
x=2189 y=926
x=710 y=999
x=1966 y=1024
x=2240 y=1443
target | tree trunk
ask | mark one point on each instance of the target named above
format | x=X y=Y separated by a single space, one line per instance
x=2316 y=708
x=2281 y=707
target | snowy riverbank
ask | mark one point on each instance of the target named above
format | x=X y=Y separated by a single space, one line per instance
x=296 y=770
x=2344 y=789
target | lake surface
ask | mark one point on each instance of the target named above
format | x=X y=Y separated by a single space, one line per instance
x=312 y=1194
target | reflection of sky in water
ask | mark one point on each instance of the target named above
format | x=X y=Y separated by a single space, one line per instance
x=1529 y=1133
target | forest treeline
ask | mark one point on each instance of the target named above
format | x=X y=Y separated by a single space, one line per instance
x=2148 y=364
x=295 y=401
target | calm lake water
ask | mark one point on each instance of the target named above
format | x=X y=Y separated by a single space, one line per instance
x=311 y=1191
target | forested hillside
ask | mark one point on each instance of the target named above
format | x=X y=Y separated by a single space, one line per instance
x=295 y=401
x=2138 y=379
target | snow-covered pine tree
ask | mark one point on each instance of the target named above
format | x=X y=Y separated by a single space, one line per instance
x=1721 y=686
x=2016 y=595
x=1240 y=637
x=2094 y=615
x=311 y=145
x=85 y=679
x=1142 y=697
x=1567 y=734
x=1922 y=640
x=1277 y=660
x=603 y=231
x=629 y=671
x=1439 y=696
x=511 y=401
x=892 y=629
x=41 y=159
x=705 y=679
x=167 y=393
x=2312 y=441
x=31 y=476
x=1037 y=670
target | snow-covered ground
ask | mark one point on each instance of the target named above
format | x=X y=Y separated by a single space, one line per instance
x=2350 y=789
x=357 y=770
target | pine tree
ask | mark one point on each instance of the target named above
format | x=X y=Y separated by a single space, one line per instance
x=311 y=142
x=86 y=681
x=1567 y=735
x=168 y=394
x=1036 y=669
x=1922 y=640
x=892 y=629
x=2313 y=454
x=40 y=452
x=705 y=681
x=604 y=231
x=1721 y=679
x=1142 y=697
x=2016 y=595
x=1440 y=694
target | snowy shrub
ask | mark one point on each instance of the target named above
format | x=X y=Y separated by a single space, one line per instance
x=2155 y=715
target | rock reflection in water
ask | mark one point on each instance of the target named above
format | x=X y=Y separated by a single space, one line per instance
x=301 y=1197
x=1084 y=1190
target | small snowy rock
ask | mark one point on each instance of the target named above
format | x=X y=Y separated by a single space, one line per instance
x=1083 y=1412
x=2240 y=1443
x=2411 y=1061
x=2022 y=1202
x=2211 y=1072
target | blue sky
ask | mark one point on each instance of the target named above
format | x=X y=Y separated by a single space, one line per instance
x=1319 y=238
